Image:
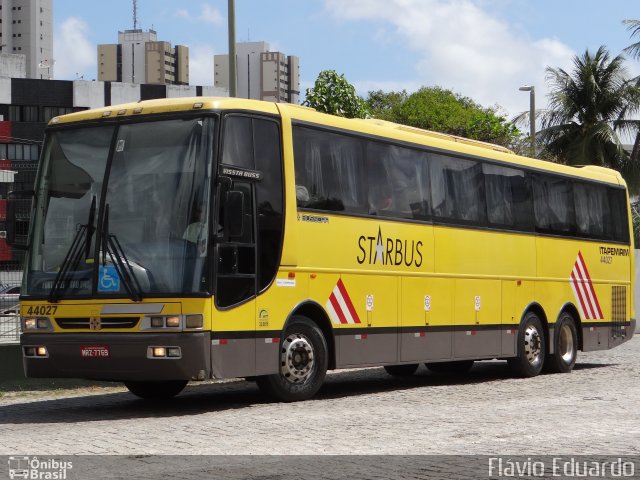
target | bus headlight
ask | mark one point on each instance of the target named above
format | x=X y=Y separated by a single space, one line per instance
x=173 y=322
x=194 y=321
x=30 y=324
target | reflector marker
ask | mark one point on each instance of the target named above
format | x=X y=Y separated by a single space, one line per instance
x=222 y=341
x=340 y=306
x=584 y=292
x=271 y=340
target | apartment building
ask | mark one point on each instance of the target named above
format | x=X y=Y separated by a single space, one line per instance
x=139 y=57
x=261 y=73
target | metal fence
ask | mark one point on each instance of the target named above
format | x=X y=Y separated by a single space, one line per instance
x=10 y=280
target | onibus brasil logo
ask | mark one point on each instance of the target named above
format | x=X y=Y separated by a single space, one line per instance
x=36 y=469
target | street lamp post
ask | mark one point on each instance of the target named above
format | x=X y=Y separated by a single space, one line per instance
x=532 y=115
x=232 y=48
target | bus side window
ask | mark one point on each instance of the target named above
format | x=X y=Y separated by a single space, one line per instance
x=553 y=205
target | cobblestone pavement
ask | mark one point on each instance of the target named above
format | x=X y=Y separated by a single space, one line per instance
x=593 y=410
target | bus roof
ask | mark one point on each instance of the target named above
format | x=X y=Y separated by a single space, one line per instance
x=373 y=127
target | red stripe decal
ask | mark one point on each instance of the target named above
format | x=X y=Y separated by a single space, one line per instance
x=586 y=282
x=337 y=308
x=580 y=299
x=347 y=301
x=593 y=292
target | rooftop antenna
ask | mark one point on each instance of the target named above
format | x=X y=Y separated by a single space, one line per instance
x=135 y=14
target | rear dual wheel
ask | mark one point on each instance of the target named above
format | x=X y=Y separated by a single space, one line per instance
x=405 y=370
x=565 y=348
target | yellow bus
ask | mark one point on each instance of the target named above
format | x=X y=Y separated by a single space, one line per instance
x=188 y=239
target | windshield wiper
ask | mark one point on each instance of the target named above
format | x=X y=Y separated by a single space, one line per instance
x=80 y=244
x=111 y=246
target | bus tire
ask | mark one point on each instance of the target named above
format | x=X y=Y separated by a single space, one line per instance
x=405 y=370
x=531 y=348
x=303 y=363
x=458 y=367
x=156 y=390
x=565 y=346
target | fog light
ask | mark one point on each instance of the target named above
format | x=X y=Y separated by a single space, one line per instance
x=174 y=352
x=159 y=352
x=173 y=322
x=194 y=321
x=157 y=322
x=41 y=351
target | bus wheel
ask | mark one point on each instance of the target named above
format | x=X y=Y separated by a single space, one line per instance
x=458 y=367
x=531 y=348
x=405 y=370
x=156 y=390
x=565 y=348
x=303 y=363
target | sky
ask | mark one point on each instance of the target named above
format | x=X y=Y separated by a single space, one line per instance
x=482 y=49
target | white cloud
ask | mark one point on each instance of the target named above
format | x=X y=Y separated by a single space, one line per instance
x=75 y=55
x=201 y=65
x=208 y=14
x=460 y=46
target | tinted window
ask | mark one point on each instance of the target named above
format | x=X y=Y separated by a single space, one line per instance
x=619 y=214
x=553 y=205
x=509 y=202
x=238 y=142
x=457 y=189
x=329 y=171
x=252 y=143
x=592 y=210
x=269 y=199
x=398 y=181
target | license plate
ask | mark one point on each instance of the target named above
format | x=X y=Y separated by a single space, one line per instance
x=94 y=351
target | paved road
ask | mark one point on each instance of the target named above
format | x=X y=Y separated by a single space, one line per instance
x=593 y=410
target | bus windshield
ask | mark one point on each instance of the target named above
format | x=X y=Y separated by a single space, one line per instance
x=122 y=210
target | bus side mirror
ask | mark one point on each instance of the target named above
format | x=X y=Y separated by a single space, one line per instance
x=234 y=213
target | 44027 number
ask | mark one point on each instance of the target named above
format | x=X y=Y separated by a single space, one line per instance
x=41 y=310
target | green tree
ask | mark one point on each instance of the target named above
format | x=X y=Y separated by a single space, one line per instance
x=634 y=27
x=333 y=94
x=440 y=110
x=589 y=108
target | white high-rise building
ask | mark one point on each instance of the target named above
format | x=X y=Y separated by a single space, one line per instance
x=26 y=28
x=262 y=74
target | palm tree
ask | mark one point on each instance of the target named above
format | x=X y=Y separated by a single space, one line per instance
x=589 y=109
x=634 y=27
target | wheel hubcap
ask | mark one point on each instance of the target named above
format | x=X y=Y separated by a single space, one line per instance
x=296 y=358
x=565 y=344
x=533 y=345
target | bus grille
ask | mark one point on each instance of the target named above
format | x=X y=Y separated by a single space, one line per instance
x=106 y=323
x=618 y=310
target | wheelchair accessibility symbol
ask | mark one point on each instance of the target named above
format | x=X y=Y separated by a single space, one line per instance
x=108 y=279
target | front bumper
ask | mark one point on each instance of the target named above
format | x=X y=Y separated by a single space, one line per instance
x=127 y=359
